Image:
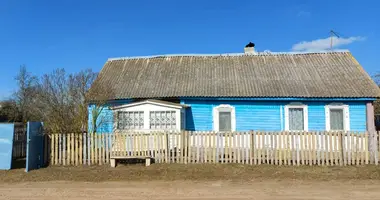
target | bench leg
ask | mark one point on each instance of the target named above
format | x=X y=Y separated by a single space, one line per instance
x=147 y=162
x=113 y=163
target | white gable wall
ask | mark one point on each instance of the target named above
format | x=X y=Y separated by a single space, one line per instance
x=147 y=107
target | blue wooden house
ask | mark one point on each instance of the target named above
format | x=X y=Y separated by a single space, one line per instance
x=237 y=92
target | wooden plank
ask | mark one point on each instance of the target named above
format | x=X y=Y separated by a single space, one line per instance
x=76 y=154
x=363 y=144
x=362 y=150
x=314 y=147
x=344 y=147
x=85 y=152
x=160 y=148
x=72 y=151
x=178 y=146
x=309 y=141
x=166 y=145
x=251 y=142
x=366 y=149
x=214 y=146
x=326 y=149
x=254 y=147
x=340 y=149
x=238 y=147
x=155 y=147
x=96 y=156
x=107 y=148
x=285 y=147
x=349 y=148
x=52 y=149
x=353 y=148
x=226 y=148
x=185 y=147
x=100 y=148
x=60 y=149
x=281 y=147
x=260 y=147
x=357 y=148
x=63 y=149
x=302 y=147
x=68 y=146
x=80 y=140
x=190 y=144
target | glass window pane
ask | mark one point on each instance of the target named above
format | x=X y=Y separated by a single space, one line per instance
x=336 y=119
x=224 y=121
x=162 y=120
x=296 y=122
x=130 y=120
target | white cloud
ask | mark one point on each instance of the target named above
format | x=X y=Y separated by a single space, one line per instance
x=324 y=44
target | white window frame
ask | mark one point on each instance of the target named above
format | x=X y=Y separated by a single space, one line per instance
x=305 y=116
x=146 y=107
x=346 y=115
x=224 y=108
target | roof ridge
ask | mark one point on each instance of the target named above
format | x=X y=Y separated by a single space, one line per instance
x=231 y=54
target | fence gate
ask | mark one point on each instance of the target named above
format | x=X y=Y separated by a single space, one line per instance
x=35 y=146
x=6 y=140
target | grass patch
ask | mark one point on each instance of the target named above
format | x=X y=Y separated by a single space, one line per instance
x=193 y=172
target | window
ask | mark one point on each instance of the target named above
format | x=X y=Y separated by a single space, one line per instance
x=337 y=117
x=130 y=120
x=224 y=118
x=162 y=120
x=225 y=121
x=296 y=117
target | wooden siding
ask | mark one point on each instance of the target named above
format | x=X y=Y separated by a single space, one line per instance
x=255 y=115
x=268 y=115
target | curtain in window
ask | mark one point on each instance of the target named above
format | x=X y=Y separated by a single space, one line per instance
x=336 y=119
x=296 y=122
x=224 y=121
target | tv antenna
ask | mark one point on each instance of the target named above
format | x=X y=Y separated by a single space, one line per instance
x=332 y=34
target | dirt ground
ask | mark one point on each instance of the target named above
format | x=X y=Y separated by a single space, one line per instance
x=192 y=182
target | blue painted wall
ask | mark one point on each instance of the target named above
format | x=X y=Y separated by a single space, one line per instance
x=268 y=115
x=253 y=114
x=106 y=119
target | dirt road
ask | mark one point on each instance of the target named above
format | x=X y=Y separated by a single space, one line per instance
x=279 y=190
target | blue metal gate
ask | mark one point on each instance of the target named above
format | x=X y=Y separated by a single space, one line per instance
x=35 y=146
x=6 y=145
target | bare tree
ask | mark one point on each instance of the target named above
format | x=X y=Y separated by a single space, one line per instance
x=25 y=95
x=8 y=111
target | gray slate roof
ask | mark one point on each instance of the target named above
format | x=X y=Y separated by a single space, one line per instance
x=329 y=74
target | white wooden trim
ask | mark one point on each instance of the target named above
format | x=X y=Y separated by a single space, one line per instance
x=346 y=116
x=146 y=108
x=305 y=116
x=169 y=105
x=223 y=108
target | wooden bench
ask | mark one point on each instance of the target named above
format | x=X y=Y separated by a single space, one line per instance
x=114 y=158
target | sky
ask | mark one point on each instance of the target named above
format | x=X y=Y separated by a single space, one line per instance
x=78 y=34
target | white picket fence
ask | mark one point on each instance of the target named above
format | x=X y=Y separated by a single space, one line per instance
x=280 y=148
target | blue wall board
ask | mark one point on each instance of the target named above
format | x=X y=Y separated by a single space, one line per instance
x=267 y=115
x=35 y=146
x=6 y=146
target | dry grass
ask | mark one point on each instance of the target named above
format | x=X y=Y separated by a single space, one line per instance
x=193 y=172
